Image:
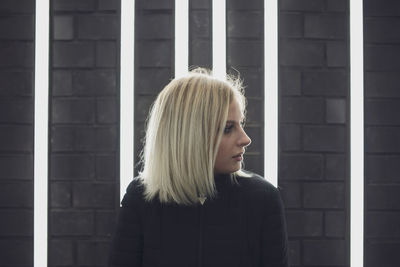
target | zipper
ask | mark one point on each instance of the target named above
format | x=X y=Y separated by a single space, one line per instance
x=200 y=255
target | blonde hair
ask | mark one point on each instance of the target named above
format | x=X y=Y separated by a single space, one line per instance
x=184 y=129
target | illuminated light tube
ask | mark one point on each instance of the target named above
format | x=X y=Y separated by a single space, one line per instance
x=271 y=91
x=127 y=94
x=41 y=124
x=219 y=38
x=181 y=37
x=356 y=134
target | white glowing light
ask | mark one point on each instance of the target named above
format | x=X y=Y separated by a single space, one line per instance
x=219 y=38
x=181 y=37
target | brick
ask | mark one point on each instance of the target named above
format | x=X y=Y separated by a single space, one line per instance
x=60 y=194
x=199 y=24
x=382 y=57
x=336 y=167
x=106 y=54
x=302 y=110
x=74 y=5
x=336 y=5
x=238 y=4
x=382 y=168
x=16 y=83
x=377 y=8
x=337 y=54
x=244 y=53
x=16 y=54
x=290 y=83
x=19 y=27
x=254 y=105
x=109 y=5
x=16 y=252
x=382 y=30
x=255 y=163
x=154 y=25
x=325 y=83
x=325 y=138
x=304 y=5
x=16 y=222
x=382 y=253
x=16 y=138
x=289 y=137
x=382 y=197
x=381 y=111
x=291 y=25
x=256 y=136
x=200 y=53
x=107 y=110
x=155 y=4
x=67 y=110
x=71 y=223
x=325 y=26
x=87 y=195
x=324 y=252
x=294 y=252
x=72 y=167
x=335 y=224
x=245 y=24
x=252 y=81
x=105 y=223
x=304 y=223
x=382 y=84
x=67 y=54
x=84 y=138
x=298 y=53
x=300 y=167
x=92 y=253
x=61 y=252
x=381 y=224
x=62 y=83
x=106 y=167
x=95 y=27
x=336 y=110
x=16 y=167
x=324 y=195
x=16 y=194
x=142 y=107
x=382 y=139
x=94 y=83
x=154 y=53
x=17 y=6
x=200 y=4
x=16 y=110
x=63 y=27
x=152 y=80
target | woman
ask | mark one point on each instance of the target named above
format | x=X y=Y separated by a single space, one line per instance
x=191 y=204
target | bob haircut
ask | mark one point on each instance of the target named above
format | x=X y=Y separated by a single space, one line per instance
x=183 y=133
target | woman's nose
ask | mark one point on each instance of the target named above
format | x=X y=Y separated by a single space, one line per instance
x=244 y=139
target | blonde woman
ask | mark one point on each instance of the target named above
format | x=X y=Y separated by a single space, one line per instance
x=192 y=204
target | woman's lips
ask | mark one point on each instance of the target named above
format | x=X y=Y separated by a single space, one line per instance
x=238 y=157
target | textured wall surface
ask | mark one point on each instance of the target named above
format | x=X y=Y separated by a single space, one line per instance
x=313 y=119
x=16 y=132
x=382 y=133
x=314 y=127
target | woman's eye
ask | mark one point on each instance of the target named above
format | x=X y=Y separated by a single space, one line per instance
x=228 y=129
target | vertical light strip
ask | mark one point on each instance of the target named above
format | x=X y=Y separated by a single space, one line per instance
x=356 y=134
x=127 y=94
x=41 y=124
x=219 y=38
x=181 y=37
x=271 y=91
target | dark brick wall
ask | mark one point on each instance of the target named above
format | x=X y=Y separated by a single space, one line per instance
x=16 y=132
x=382 y=110
x=314 y=129
x=84 y=129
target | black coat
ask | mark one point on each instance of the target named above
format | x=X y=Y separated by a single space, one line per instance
x=243 y=226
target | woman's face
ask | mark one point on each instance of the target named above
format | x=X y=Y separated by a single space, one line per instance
x=233 y=143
